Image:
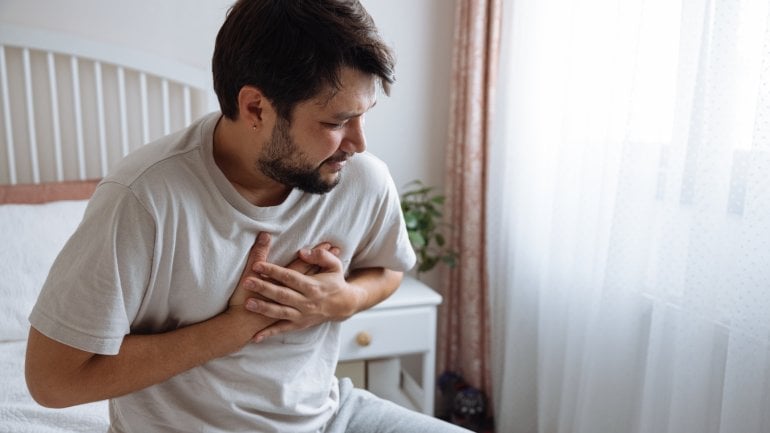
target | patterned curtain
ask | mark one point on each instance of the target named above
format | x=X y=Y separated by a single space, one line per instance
x=464 y=315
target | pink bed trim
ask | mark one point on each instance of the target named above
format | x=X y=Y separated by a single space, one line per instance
x=45 y=192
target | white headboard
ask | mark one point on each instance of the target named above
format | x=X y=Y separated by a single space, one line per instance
x=70 y=108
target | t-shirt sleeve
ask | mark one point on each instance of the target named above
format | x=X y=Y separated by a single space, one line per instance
x=97 y=282
x=386 y=243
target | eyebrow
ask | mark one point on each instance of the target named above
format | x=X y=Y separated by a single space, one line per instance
x=349 y=114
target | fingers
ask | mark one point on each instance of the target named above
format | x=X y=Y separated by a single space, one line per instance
x=270 y=309
x=289 y=278
x=293 y=276
x=261 y=247
x=325 y=259
x=288 y=294
x=273 y=293
x=308 y=268
x=279 y=327
x=258 y=252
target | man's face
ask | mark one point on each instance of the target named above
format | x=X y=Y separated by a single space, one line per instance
x=283 y=161
x=325 y=131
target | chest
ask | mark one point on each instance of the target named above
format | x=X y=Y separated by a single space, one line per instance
x=199 y=257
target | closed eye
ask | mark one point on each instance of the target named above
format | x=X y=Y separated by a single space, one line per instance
x=332 y=125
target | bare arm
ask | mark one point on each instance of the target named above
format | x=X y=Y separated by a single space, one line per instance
x=376 y=285
x=59 y=375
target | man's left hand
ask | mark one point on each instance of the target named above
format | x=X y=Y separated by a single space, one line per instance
x=300 y=301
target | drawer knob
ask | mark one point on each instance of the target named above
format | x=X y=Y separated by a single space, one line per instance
x=363 y=339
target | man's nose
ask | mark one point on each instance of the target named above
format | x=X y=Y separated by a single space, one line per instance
x=354 y=140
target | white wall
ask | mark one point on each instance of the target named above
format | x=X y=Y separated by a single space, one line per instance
x=407 y=130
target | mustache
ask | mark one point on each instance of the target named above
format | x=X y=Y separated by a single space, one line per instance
x=343 y=156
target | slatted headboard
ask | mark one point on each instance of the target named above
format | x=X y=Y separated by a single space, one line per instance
x=70 y=108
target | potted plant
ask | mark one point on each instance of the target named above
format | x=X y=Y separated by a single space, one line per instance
x=422 y=209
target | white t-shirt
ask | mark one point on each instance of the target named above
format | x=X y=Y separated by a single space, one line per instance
x=162 y=245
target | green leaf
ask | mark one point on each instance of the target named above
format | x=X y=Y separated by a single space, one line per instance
x=417 y=240
x=411 y=219
x=422 y=210
x=428 y=264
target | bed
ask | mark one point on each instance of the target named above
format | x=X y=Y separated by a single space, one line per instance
x=69 y=109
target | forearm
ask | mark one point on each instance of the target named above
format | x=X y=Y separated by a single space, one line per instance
x=374 y=285
x=60 y=376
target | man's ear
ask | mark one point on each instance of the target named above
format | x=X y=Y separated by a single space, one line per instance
x=252 y=106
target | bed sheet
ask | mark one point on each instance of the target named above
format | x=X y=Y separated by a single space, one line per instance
x=19 y=413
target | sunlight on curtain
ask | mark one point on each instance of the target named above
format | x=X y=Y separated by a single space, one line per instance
x=630 y=212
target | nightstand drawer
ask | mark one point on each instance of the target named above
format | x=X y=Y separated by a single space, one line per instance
x=378 y=333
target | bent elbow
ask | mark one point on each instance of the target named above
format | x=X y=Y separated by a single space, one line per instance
x=46 y=372
x=49 y=401
x=45 y=393
x=45 y=399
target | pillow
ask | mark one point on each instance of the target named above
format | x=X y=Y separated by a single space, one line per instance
x=31 y=236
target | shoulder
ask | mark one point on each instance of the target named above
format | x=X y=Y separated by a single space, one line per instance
x=367 y=182
x=367 y=171
x=164 y=170
x=162 y=154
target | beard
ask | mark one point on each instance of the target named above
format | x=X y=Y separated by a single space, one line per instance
x=281 y=160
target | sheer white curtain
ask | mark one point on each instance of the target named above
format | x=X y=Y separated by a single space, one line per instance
x=629 y=217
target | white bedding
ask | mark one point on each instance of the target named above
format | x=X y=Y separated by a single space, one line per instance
x=20 y=414
x=30 y=238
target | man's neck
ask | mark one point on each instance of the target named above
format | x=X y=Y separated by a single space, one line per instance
x=236 y=153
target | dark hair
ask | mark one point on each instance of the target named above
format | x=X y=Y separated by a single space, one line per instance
x=292 y=49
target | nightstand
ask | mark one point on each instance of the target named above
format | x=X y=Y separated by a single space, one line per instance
x=394 y=345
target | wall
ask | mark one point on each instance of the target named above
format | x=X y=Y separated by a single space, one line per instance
x=408 y=130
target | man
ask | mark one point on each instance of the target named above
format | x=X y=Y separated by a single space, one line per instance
x=154 y=301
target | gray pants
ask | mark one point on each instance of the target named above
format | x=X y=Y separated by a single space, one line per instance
x=362 y=412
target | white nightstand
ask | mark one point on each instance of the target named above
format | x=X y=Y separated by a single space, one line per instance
x=391 y=339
